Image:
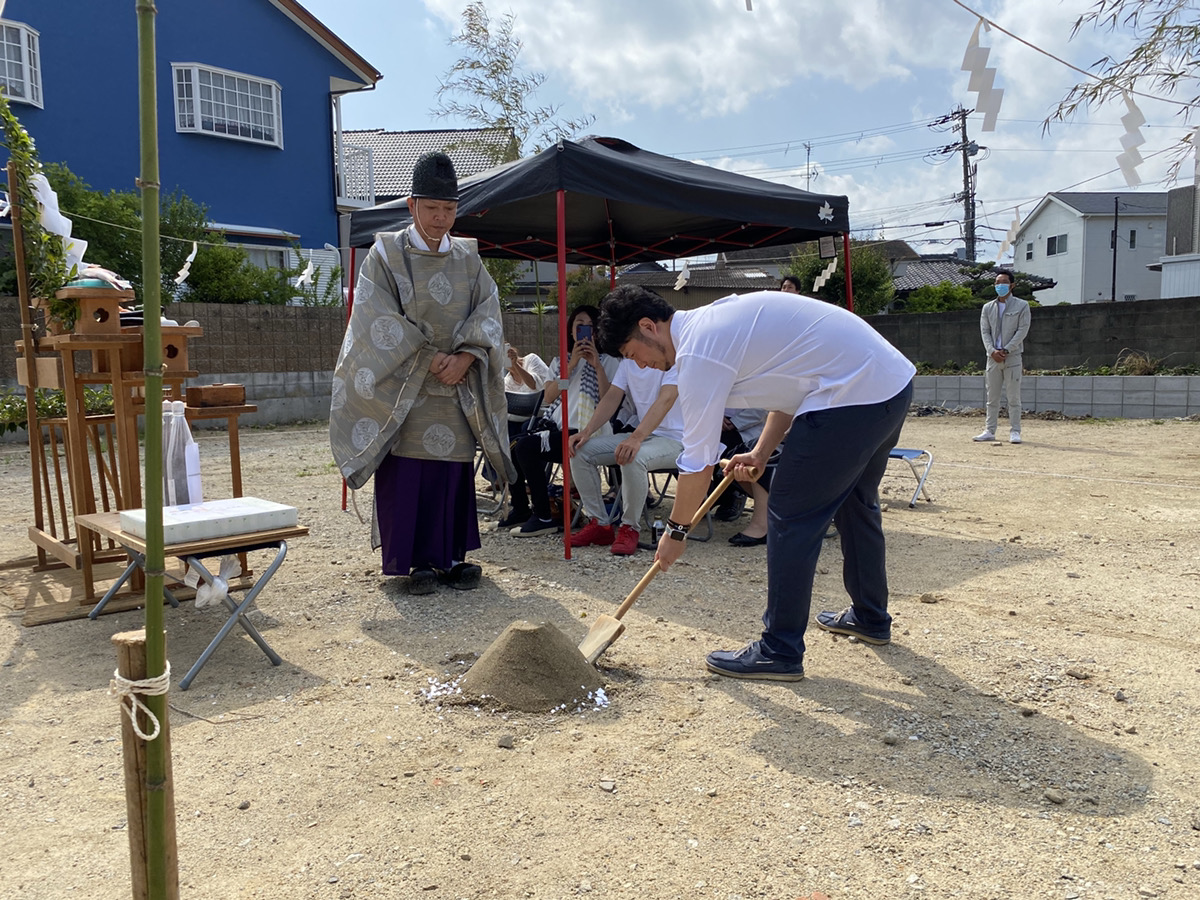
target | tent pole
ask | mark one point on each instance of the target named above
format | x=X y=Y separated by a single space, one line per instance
x=564 y=369
x=849 y=280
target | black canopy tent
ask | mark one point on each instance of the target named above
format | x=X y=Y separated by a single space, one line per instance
x=622 y=205
x=603 y=201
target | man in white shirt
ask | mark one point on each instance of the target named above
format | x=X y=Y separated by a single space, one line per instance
x=1003 y=324
x=839 y=391
x=654 y=444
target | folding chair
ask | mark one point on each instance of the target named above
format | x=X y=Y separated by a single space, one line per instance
x=525 y=405
x=916 y=459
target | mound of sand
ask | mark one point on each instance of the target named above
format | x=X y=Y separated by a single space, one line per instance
x=534 y=668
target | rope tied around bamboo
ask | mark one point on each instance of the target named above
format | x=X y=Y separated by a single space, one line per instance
x=126 y=692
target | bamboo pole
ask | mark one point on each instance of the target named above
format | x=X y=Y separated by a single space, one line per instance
x=161 y=860
x=33 y=425
x=131 y=665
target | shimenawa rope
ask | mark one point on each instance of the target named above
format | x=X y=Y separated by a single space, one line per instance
x=123 y=689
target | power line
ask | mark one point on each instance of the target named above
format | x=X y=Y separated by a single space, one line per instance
x=1071 y=66
x=785 y=145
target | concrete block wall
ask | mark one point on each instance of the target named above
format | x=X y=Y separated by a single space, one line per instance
x=1092 y=335
x=1101 y=396
x=285 y=355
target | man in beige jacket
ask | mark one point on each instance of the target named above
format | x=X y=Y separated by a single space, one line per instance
x=1003 y=324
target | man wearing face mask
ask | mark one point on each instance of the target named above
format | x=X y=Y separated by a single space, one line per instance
x=419 y=384
x=1003 y=324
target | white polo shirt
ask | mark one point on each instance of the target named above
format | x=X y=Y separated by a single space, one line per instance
x=780 y=352
x=642 y=387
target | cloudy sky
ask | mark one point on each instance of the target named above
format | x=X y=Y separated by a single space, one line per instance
x=859 y=81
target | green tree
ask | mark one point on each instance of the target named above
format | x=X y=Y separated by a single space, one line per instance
x=223 y=273
x=1164 y=59
x=586 y=285
x=488 y=88
x=111 y=223
x=45 y=257
x=871 y=278
x=504 y=272
x=939 y=298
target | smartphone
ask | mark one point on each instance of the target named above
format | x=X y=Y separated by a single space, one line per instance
x=583 y=333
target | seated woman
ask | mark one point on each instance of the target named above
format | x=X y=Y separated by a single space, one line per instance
x=533 y=451
x=525 y=374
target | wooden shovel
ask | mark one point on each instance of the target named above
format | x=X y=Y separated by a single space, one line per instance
x=607 y=629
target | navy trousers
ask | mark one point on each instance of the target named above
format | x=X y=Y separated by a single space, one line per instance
x=830 y=469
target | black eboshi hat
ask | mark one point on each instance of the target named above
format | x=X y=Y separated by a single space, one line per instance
x=434 y=177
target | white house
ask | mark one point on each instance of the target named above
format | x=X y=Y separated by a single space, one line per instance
x=1069 y=238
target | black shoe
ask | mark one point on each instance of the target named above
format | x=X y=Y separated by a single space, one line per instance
x=462 y=577
x=534 y=526
x=514 y=518
x=844 y=623
x=422 y=581
x=752 y=662
x=730 y=510
x=744 y=540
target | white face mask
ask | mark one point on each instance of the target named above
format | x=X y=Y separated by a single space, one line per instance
x=1002 y=290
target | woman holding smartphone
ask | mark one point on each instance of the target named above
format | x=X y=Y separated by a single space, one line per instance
x=590 y=372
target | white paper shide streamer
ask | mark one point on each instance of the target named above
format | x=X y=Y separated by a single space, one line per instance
x=1129 y=158
x=982 y=79
x=684 y=275
x=1011 y=235
x=305 y=277
x=824 y=276
x=187 y=265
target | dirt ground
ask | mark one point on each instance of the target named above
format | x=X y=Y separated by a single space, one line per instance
x=1031 y=732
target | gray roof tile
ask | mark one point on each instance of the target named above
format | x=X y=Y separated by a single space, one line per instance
x=1132 y=203
x=707 y=278
x=394 y=153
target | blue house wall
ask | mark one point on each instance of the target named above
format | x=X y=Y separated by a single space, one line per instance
x=90 y=117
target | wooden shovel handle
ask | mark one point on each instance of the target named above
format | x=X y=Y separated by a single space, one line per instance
x=655 y=569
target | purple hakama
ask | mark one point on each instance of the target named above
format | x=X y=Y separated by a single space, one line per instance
x=426 y=513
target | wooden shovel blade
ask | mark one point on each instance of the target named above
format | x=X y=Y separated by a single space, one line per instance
x=600 y=637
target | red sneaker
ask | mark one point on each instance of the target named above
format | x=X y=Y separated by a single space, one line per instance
x=626 y=542
x=592 y=533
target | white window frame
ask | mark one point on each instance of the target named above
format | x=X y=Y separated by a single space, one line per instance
x=261 y=255
x=188 y=83
x=1060 y=245
x=28 y=68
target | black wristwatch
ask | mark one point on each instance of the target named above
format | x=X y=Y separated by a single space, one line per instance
x=676 y=531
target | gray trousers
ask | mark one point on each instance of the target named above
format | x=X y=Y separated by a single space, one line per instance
x=656 y=452
x=1004 y=376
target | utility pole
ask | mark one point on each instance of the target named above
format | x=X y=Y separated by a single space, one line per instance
x=968 y=195
x=1116 y=204
x=807 y=166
